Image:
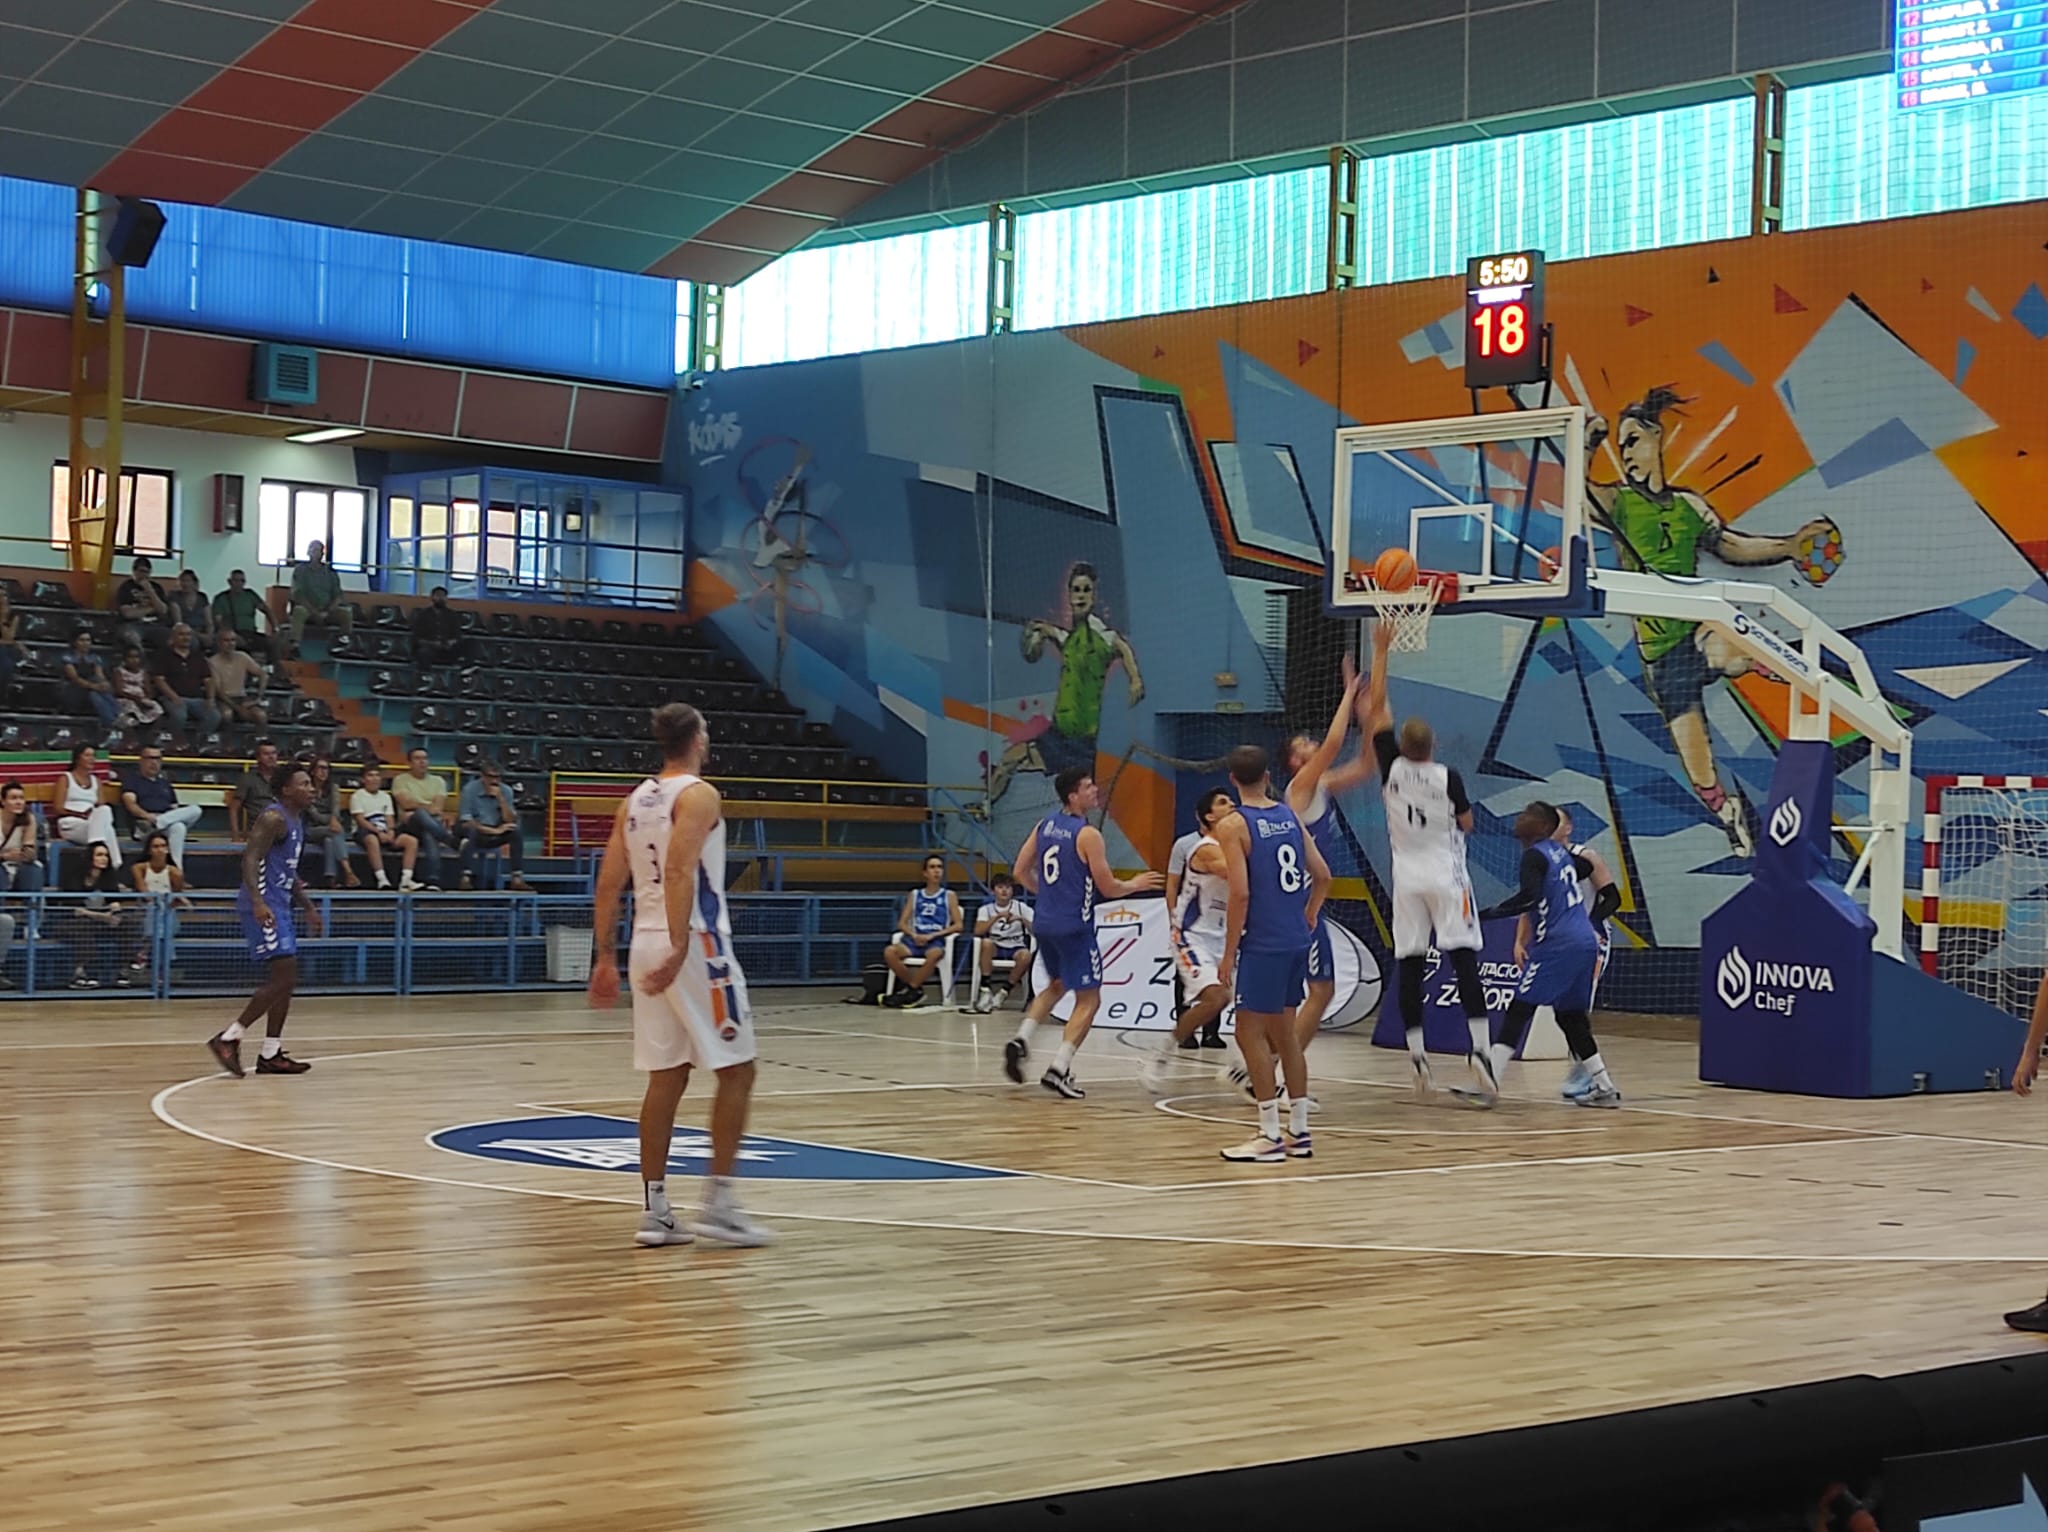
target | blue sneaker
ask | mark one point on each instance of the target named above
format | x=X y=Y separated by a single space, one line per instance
x=1576 y=1084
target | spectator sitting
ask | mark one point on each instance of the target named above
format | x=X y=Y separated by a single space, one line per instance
x=232 y=672
x=1004 y=928
x=156 y=874
x=239 y=610
x=87 y=691
x=21 y=849
x=324 y=828
x=13 y=653
x=424 y=811
x=82 y=819
x=252 y=792
x=376 y=823
x=184 y=684
x=190 y=606
x=152 y=802
x=437 y=631
x=133 y=705
x=930 y=915
x=317 y=596
x=6 y=943
x=98 y=915
x=144 y=609
x=489 y=822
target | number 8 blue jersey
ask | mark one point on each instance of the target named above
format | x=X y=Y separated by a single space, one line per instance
x=1276 y=868
x=1066 y=886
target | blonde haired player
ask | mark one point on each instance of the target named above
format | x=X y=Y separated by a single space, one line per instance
x=689 y=996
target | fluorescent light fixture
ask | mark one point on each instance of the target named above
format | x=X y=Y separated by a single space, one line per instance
x=330 y=434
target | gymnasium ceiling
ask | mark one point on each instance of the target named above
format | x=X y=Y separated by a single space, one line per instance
x=683 y=138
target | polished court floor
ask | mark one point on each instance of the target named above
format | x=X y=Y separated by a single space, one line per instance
x=400 y=1291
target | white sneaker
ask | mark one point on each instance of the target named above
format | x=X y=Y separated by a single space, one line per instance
x=1424 y=1084
x=383 y=880
x=661 y=1229
x=1153 y=1075
x=407 y=886
x=1257 y=1150
x=728 y=1223
x=1598 y=1095
x=1484 y=1091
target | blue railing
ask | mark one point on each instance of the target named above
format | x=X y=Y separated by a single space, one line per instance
x=169 y=948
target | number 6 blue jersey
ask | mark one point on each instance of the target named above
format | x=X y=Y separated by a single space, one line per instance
x=1276 y=868
x=1066 y=887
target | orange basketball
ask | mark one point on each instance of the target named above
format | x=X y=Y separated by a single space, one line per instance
x=1394 y=570
x=1548 y=565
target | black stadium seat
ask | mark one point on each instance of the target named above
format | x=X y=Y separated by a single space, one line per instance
x=385 y=615
x=578 y=629
x=52 y=593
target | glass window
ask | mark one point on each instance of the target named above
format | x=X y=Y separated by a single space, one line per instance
x=398 y=516
x=290 y=518
x=142 y=522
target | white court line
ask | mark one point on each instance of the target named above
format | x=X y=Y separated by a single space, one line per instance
x=159 y=1105
x=500 y=1035
x=1166 y=1105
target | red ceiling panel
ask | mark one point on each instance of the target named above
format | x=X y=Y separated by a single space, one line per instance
x=213 y=139
x=879 y=160
x=826 y=196
x=411 y=24
x=501 y=409
x=39 y=352
x=204 y=370
x=613 y=424
x=257 y=97
x=405 y=396
x=327 y=58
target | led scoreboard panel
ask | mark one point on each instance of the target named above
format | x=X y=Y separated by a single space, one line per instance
x=1951 y=51
x=1504 y=319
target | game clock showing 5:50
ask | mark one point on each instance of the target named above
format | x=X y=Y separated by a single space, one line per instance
x=1504 y=320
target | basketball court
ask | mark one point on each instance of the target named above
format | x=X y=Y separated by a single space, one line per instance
x=407 y=1282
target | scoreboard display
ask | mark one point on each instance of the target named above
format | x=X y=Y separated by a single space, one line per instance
x=1953 y=51
x=1504 y=320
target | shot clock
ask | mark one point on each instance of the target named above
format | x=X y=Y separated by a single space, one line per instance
x=1504 y=320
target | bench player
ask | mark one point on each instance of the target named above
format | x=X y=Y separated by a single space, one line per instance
x=1199 y=917
x=1278 y=881
x=929 y=918
x=689 y=996
x=1003 y=927
x=1064 y=862
x=1428 y=817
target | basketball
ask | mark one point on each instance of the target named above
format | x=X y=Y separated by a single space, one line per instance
x=1394 y=570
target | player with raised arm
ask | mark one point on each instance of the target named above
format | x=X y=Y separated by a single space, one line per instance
x=1317 y=780
x=1198 y=911
x=1428 y=817
x=271 y=890
x=1065 y=862
x=689 y=996
x=1557 y=950
x=1278 y=881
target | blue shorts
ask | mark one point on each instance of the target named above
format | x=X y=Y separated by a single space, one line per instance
x=1560 y=977
x=1322 y=960
x=1070 y=958
x=919 y=946
x=1271 y=982
x=276 y=940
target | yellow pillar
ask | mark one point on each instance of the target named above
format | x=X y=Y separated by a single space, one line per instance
x=98 y=376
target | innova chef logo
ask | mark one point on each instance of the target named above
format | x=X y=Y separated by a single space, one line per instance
x=1786 y=823
x=1768 y=986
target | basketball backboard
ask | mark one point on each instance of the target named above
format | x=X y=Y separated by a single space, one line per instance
x=1498 y=500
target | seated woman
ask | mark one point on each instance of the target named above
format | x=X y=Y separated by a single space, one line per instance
x=930 y=915
x=324 y=830
x=156 y=874
x=371 y=812
x=21 y=843
x=133 y=705
x=98 y=915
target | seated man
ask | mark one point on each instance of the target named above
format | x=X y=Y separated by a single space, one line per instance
x=88 y=691
x=21 y=842
x=437 y=631
x=425 y=813
x=375 y=820
x=153 y=806
x=241 y=611
x=930 y=915
x=253 y=792
x=317 y=596
x=190 y=606
x=184 y=685
x=234 y=676
x=1004 y=927
x=144 y=609
x=490 y=828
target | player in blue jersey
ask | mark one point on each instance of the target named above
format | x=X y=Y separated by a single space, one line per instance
x=1278 y=881
x=1318 y=780
x=1065 y=863
x=1595 y=874
x=271 y=890
x=1557 y=949
x=930 y=915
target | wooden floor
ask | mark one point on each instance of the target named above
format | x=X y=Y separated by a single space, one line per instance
x=273 y=1304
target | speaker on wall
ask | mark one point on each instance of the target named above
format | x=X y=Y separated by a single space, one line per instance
x=137 y=227
x=227 y=502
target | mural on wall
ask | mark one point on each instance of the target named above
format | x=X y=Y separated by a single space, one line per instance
x=1010 y=555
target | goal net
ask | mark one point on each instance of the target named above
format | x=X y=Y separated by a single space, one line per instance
x=1984 y=887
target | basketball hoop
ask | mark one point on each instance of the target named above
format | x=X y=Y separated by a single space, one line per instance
x=1408 y=611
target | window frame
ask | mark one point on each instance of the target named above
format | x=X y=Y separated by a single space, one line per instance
x=132 y=476
x=293 y=489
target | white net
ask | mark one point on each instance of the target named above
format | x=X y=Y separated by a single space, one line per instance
x=1989 y=926
x=1408 y=611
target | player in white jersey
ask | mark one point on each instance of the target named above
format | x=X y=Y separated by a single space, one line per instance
x=1003 y=928
x=1428 y=817
x=689 y=996
x=1197 y=912
x=1177 y=869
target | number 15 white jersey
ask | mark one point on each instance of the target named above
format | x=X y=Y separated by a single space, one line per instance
x=650 y=817
x=1423 y=801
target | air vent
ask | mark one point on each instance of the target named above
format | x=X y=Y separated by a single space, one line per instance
x=285 y=375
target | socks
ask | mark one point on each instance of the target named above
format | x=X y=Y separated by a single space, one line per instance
x=1025 y=1028
x=1501 y=1055
x=1297 y=1118
x=1481 y=1028
x=1596 y=1071
x=272 y=1047
x=1269 y=1117
x=1415 y=1043
x=232 y=1032
x=1063 y=1060
x=656 y=1196
x=717 y=1191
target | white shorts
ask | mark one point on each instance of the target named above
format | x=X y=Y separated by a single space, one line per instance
x=1196 y=963
x=701 y=1019
x=1445 y=908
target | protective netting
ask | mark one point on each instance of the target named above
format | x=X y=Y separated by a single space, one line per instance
x=1988 y=929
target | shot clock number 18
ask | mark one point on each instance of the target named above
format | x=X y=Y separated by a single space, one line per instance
x=1504 y=320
